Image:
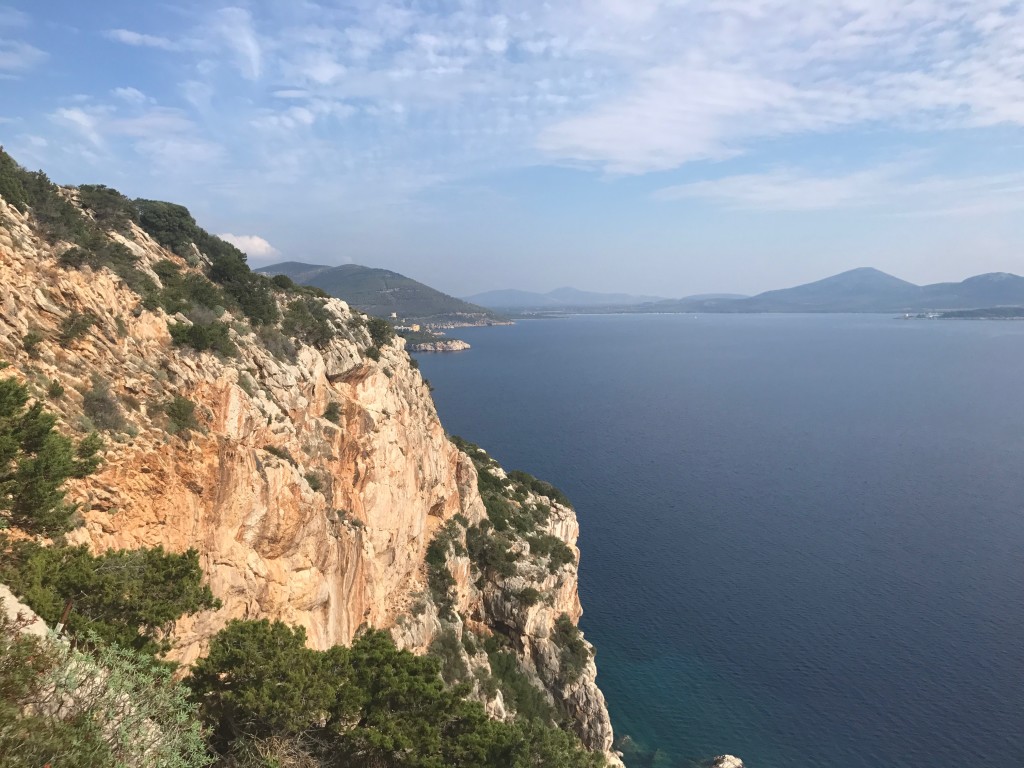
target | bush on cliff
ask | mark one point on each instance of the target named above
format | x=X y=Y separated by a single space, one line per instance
x=309 y=321
x=439 y=577
x=173 y=227
x=125 y=597
x=265 y=696
x=110 y=707
x=213 y=336
x=109 y=208
x=35 y=461
x=381 y=331
x=574 y=655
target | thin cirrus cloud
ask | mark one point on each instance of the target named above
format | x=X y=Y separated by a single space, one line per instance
x=895 y=189
x=141 y=40
x=775 y=68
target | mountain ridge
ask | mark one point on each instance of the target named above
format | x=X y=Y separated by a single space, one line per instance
x=864 y=289
x=381 y=292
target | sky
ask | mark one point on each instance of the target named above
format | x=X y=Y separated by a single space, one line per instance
x=662 y=147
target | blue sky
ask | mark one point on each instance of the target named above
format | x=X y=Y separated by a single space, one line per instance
x=666 y=147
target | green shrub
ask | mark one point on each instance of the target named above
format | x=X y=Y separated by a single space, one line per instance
x=259 y=679
x=30 y=343
x=491 y=551
x=75 y=326
x=35 y=460
x=520 y=694
x=381 y=331
x=281 y=453
x=173 y=227
x=333 y=412
x=57 y=705
x=315 y=481
x=528 y=596
x=213 y=336
x=109 y=208
x=370 y=705
x=553 y=548
x=309 y=321
x=127 y=597
x=277 y=344
x=439 y=577
x=55 y=390
x=283 y=282
x=182 y=292
x=539 y=487
x=448 y=650
x=373 y=353
x=181 y=413
x=574 y=654
x=102 y=407
x=96 y=250
x=11 y=187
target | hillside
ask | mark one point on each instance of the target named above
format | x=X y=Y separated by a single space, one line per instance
x=251 y=481
x=381 y=292
x=866 y=290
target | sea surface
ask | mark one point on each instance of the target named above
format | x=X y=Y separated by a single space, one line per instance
x=802 y=536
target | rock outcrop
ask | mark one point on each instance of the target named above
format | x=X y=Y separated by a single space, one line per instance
x=442 y=345
x=312 y=486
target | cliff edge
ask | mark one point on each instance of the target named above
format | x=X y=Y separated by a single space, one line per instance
x=298 y=450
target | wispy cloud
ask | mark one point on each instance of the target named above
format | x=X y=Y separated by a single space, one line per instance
x=165 y=137
x=12 y=17
x=233 y=29
x=141 y=40
x=743 y=72
x=894 y=189
x=130 y=95
x=18 y=57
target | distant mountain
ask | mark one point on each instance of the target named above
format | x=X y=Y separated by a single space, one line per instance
x=560 y=298
x=380 y=292
x=866 y=290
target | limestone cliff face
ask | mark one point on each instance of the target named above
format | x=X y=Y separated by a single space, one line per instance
x=319 y=522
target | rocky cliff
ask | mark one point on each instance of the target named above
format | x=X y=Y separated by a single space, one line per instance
x=311 y=477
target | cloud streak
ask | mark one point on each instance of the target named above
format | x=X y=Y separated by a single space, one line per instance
x=141 y=40
x=894 y=189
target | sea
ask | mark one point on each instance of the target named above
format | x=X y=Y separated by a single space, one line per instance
x=802 y=535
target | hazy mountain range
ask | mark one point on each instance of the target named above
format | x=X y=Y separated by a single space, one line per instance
x=381 y=292
x=866 y=290
x=859 y=290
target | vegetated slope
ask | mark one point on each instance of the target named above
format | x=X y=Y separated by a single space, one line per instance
x=380 y=292
x=280 y=449
x=866 y=290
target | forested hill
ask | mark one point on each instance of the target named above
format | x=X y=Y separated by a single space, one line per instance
x=380 y=292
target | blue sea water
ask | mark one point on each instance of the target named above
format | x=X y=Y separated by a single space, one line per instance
x=802 y=536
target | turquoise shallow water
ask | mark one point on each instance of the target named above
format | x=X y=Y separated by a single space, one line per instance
x=803 y=536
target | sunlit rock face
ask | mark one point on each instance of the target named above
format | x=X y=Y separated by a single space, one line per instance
x=318 y=522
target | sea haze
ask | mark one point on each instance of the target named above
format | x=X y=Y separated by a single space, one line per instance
x=803 y=536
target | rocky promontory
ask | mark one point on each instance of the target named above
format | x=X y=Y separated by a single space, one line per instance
x=314 y=478
x=442 y=345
